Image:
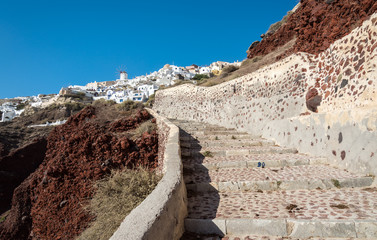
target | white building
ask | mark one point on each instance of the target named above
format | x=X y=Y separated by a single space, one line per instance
x=147 y=89
x=9 y=111
x=205 y=70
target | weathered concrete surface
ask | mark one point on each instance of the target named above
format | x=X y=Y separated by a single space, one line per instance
x=272 y=227
x=161 y=215
x=276 y=102
x=347 y=138
x=309 y=228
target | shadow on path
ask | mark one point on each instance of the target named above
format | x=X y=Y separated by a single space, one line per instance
x=202 y=204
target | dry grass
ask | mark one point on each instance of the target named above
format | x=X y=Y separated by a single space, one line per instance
x=150 y=101
x=275 y=26
x=179 y=82
x=207 y=154
x=116 y=196
x=129 y=105
x=103 y=102
x=147 y=126
x=249 y=66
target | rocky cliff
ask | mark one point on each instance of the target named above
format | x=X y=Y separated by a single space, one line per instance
x=21 y=145
x=315 y=25
x=50 y=203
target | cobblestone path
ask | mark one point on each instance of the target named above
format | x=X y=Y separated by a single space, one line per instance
x=242 y=187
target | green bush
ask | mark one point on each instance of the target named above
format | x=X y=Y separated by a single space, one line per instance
x=200 y=77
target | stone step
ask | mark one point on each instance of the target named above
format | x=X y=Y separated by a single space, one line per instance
x=187 y=123
x=242 y=185
x=198 y=126
x=205 y=128
x=235 y=151
x=232 y=133
x=255 y=237
x=187 y=137
x=251 y=161
x=228 y=143
x=195 y=236
x=271 y=179
x=263 y=164
x=335 y=213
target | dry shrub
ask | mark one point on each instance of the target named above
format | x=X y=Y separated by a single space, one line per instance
x=116 y=196
x=248 y=66
x=74 y=106
x=229 y=69
x=79 y=95
x=147 y=126
x=129 y=105
x=150 y=101
x=275 y=26
x=103 y=102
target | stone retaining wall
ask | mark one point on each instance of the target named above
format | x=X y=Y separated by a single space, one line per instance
x=324 y=105
x=161 y=215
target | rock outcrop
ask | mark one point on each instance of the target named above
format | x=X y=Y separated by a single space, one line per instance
x=17 y=166
x=23 y=146
x=50 y=203
x=316 y=24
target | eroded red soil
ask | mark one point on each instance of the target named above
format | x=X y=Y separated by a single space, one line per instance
x=50 y=203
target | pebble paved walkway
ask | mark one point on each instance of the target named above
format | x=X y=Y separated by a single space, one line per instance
x=294 y=196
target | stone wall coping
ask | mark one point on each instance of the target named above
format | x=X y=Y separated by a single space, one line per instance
x=161 y=215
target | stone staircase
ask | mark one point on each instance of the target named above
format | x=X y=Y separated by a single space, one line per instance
x=244 y=187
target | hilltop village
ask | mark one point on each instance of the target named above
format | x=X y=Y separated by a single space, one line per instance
x=138 y=89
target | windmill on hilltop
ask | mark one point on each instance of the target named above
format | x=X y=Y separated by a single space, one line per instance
x=121 y=70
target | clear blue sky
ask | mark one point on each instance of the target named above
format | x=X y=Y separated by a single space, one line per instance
x=49 y=44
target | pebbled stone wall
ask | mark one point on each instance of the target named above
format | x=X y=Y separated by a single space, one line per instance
x=323 y=105
x=166 y=207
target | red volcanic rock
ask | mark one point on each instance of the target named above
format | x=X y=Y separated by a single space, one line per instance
x=49 y=204
x=316 y=24
x=17 y=166
x=2 y=149
x=313 y=100
x=126 y=124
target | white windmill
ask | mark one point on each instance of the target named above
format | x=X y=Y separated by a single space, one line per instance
x=123 y=76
